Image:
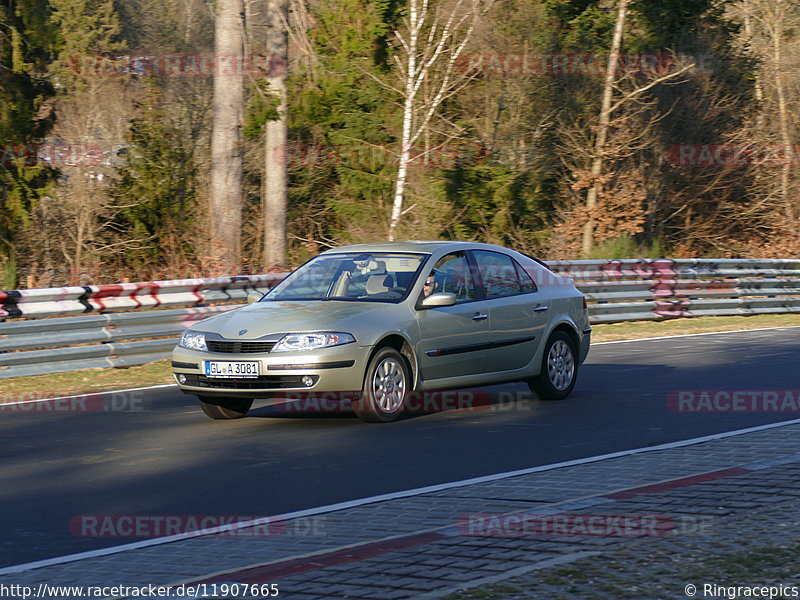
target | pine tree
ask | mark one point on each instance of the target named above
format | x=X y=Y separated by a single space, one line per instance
x=27 y=40
x=88 y=30
x=342 y=150
x=157 y=187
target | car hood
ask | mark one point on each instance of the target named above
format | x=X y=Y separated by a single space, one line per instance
x=264 y=318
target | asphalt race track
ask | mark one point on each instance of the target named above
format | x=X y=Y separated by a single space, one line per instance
x=161 y=456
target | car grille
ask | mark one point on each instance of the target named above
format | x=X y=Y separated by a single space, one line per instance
x=264 y=382
x=229 y=347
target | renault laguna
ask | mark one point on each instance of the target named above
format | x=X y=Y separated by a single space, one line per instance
x=385 y=320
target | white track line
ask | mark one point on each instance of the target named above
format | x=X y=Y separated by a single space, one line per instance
x=381 y=498
x=150 y=387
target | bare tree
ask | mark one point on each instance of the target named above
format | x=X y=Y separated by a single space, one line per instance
x=274 y=196
x=776 y=19
x=602 y=127
x=76 y=223
x=770 y=36
x=268 y=31
x=607 y=108
x=431 y=42
x=226 y=137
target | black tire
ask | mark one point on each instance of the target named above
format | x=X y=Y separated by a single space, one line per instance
x=386 y=387
x=559 y=368
x=225 y=408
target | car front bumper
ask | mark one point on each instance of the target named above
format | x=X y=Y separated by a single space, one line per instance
x=337 y=369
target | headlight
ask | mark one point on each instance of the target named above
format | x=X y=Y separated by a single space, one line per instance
x=193 y=341
x=311 y=341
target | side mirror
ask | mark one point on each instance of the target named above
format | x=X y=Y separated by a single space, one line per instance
x=253 y=297
x=440 y=299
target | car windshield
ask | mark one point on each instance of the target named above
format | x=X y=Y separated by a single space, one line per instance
x=359 y=277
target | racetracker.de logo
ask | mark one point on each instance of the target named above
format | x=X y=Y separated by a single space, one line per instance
x=733 y=155
x=565 y=524
x=40 y=402
x=734 y=401
x=520 y=64
x=150 y=526
x=427 y=402
x=177 y=65
x=371 y=156
x=54 y=153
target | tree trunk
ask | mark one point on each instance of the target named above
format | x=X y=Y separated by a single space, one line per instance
x=783 y=117
x=274 y=200
x=757 y=86
x=408 y=116
x=435 y=37
x=226 y=138
x=602 y=129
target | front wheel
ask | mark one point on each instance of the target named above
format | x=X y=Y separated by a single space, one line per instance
x=226 y=408
x=386 y=387
x=559 y=369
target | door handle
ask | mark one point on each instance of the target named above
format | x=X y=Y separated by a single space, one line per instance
x=479 y=317
x=540 y=308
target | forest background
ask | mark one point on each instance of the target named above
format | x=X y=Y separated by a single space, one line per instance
x=501 y=121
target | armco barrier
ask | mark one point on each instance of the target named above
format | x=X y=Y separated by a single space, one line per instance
x=131 y=323
x=657 y=289
x=100 y=334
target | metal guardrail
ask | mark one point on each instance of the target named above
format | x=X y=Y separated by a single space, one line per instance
x=50 y=302
x=658 y=289
x=100 y=334
x=129 y=323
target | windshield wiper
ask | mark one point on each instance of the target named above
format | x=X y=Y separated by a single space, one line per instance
x=317 y=299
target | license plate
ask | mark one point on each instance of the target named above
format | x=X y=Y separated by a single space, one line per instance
x=232 y=369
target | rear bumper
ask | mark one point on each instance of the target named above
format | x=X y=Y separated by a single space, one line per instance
x=586 y=340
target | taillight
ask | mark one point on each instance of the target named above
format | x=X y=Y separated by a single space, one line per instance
x=584 y=302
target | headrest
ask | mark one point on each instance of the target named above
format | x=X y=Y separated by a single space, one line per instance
x=378 y=283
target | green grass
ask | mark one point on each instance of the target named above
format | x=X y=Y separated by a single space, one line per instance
x=645 y=329
x=762 y=564
x=85 y=381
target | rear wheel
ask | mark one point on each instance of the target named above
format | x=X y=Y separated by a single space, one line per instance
x=225 y=408
x=559 y=369
x=386 y=387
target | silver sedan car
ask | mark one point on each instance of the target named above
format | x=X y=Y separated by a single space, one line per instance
x=388 y=319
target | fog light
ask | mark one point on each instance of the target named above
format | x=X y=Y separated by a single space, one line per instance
x=307 y=381
x=181 y=378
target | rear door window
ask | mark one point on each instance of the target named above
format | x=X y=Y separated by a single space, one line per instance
x=502 y=275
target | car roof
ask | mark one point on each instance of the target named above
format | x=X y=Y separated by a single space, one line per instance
x=421 y=246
